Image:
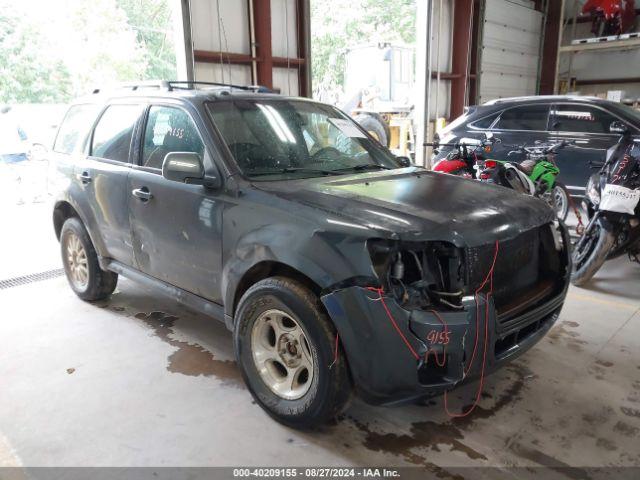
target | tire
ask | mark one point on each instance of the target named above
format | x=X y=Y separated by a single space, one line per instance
x=374 y=127
x=80 y=261
x=588 y=260
x=283 y=302
x=561 y=201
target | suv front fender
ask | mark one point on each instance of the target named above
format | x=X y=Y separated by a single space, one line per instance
x=322 y=257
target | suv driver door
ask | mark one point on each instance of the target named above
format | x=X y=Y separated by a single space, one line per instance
x=520 y=125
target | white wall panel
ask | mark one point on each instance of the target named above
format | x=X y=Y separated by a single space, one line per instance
x=234 y=34
x=510 y=49
x=444 y=99
x=283 y=12
x=442 y=62
x=212 y=72
x=288 y=84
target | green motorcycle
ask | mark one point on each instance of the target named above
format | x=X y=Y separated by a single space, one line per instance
x=536 y=175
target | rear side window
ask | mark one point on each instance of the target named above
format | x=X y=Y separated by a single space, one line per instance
x=528 y=117
x=169 y=129
x=113 y=133
x=74 y=128
x=581 y=118
x=485 y=122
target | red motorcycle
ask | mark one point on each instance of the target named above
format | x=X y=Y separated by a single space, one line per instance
x=464 y=156
x=610 y=17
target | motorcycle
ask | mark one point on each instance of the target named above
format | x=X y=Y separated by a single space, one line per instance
x=536 y=175
x=610 y=17
x=462 y=159
x=613 y=204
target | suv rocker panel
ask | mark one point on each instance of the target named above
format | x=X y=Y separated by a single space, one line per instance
x=182 y=296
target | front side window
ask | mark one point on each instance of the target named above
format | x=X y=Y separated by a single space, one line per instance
x=528 y=117
x=74 y=128
x=580 y=118
x=169 y=129
x=279 y=139
x=113 y=133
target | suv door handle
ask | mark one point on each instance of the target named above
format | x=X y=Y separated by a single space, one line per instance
x=84 y=177
x=143 y=194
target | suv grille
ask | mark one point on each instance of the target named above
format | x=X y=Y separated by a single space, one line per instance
x=526 y=272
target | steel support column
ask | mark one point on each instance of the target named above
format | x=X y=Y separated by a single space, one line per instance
x=550 y=48
x=262 y=25
x=460 y=59
x=303 y=30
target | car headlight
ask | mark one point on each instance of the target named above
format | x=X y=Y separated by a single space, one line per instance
x=593 y=191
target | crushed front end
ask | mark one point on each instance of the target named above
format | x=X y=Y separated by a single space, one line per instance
x=422 y=326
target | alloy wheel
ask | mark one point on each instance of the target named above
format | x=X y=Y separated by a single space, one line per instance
x=78 y=266
x=282 y=354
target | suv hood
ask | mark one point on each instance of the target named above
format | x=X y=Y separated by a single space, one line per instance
x=415 y=204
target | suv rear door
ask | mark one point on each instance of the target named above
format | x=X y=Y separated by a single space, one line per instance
x=102 y=176
x=523 y=124
x=176 y=227
x=588 y=127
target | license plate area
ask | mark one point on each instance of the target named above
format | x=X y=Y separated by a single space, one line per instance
x=619 y=199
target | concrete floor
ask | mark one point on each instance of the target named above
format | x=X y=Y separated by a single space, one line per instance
x=141 y=381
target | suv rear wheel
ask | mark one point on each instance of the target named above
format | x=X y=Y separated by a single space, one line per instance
x=285 y=346
x=80 y=262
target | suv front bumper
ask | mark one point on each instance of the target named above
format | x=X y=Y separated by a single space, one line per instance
x=385 y=370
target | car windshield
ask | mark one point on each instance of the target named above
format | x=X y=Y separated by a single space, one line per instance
x=275 y=139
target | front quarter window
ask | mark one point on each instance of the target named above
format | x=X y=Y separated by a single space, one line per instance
x=278 y=139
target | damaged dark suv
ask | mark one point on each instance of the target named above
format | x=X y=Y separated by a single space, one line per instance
x=337 y=266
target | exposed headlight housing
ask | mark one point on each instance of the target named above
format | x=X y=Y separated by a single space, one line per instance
x=419 y=273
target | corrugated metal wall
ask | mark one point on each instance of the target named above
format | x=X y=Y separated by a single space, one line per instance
x=510 y=52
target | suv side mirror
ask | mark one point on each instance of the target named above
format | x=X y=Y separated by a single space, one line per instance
x=186 y=167
x=404 y=161
x=618 y=127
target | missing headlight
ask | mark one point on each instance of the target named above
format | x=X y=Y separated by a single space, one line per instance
x=420 y=275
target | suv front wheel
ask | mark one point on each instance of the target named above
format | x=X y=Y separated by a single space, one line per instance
x=80 y=262
x=286 y=348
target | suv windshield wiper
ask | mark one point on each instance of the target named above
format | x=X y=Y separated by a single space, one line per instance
x=294 y=170
x=366 y=166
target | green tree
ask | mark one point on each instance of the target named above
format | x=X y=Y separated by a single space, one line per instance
x=151 y=20
x=27 y=73
x=348 y=23
x=106 y=48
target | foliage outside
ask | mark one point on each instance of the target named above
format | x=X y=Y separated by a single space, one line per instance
x=337 y=25
x=50 y=54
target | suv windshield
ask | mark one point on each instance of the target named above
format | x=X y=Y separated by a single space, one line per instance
x=280 y=138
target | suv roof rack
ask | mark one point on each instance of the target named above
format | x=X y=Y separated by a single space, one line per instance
x=170 y=85
x=133 y=86
x=189 y=84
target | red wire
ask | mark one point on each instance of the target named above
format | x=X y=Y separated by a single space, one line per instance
x=484 y=362
x=488 y=278
x=380 y=291
x=486 y=339
x=489 y=275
